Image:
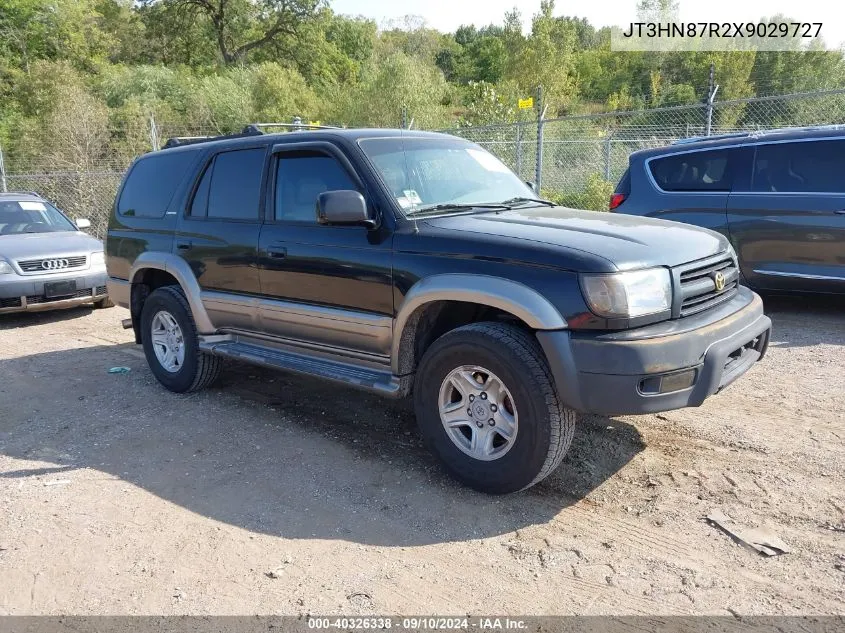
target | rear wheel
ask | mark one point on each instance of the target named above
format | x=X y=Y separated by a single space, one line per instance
x=171 y=343
x=487 y=407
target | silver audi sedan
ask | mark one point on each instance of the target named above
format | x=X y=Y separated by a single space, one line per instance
x=46 y=261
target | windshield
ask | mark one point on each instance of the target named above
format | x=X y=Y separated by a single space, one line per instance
x=424 y=173
x=31 y=216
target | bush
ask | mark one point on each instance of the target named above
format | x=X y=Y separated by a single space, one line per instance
x=595 y=196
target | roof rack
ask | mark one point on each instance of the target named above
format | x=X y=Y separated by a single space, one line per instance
x=756 y=133
x=714 y=137
x=253 y=129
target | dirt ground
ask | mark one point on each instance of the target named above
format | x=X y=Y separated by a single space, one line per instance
x=281 y=495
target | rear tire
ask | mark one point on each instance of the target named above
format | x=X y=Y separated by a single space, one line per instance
x=469 y=431
x=171 y=343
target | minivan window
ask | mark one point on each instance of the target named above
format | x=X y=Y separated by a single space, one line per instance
x=807 y=166
x=300 y=178
x=694 y=171
x=235 y=189
x=151 y=184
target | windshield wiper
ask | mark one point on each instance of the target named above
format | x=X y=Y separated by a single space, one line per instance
x=458 y=206
x=525 y=200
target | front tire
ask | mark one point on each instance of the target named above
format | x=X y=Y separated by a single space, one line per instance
x=171 y=343
x=487 y=407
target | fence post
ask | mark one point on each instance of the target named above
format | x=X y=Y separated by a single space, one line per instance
x=712 y=87
x=607 y=150
x=153 y=134
x=538 y=175
x=519 y=149
x=2 y=172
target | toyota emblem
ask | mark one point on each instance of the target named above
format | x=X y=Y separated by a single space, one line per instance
x=719 y=280
x=54 y=264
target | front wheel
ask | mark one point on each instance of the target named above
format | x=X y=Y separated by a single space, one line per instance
x=487 y=407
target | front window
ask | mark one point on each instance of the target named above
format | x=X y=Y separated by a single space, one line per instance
x=31 y=216
x=432 y=174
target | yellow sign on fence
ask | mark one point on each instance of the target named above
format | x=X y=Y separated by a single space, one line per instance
x=526 y=104
x=314 y=123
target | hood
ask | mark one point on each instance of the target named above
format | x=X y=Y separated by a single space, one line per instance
x=35 y=245
x=627 y=241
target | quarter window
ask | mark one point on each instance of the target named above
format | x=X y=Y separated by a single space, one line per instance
x=808 y=166
x=152 y=182
x=695 y=171
x=234 y=187
x=300 y=178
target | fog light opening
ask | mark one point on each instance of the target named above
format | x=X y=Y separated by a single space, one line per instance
x=668 y=383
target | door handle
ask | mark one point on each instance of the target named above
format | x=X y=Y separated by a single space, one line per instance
x=839 y=211
x=184 y=245
x=277 y=252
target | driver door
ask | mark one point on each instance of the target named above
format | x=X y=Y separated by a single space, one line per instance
x=324 y=285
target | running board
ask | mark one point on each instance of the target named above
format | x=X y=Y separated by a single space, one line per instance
x=382 y=382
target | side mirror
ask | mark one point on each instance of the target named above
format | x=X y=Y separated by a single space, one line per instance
x=343 y=207
x=532 y=185
x=83 y=223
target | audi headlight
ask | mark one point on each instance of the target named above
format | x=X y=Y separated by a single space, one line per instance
x=98 y=259
x=629 y=294
x=5 y=268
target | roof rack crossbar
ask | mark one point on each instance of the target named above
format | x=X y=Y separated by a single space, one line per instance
x=295 y=126
x=253 y=129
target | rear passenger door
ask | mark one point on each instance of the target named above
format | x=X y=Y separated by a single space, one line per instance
x=693 y=187
x=788 y=226
x=218 y=234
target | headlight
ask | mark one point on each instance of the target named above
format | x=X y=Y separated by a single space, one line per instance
x=629 y=294
x=98 y=259
x=5 y=268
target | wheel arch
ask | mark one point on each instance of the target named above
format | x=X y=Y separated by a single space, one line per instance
x=177 y=268
x=511 y=297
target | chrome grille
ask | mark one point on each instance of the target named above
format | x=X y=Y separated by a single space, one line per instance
x=698 y=285
x=42 y=266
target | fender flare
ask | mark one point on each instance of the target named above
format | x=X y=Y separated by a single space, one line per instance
x=514 y=297
x=179 y=268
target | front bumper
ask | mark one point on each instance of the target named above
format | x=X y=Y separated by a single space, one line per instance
x=634 y=371
x=26 y=294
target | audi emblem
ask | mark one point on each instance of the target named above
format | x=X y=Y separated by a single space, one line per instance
x=54 y=264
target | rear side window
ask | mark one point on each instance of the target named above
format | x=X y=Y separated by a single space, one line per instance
x=809 y=166
x=151 y=184
x=694 y=171
x=234 y=190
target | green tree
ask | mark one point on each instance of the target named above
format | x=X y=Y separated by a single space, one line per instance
x=242 y=26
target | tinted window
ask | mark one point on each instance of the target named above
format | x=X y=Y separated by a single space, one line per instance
x=807 y=166
x=199 y=205
x=300 y=178
x=694 y=171
x=152 y=183
x=235 y=188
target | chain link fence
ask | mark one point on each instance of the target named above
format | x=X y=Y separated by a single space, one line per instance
x=79 y=164
x=582 y=157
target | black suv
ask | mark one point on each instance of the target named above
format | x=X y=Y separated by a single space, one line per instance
x=410 y=262
x=779 y=196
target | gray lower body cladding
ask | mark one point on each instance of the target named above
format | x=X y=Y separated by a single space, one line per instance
x=625 y=372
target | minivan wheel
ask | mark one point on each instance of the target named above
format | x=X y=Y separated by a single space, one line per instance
x=171 y=344
x=487 y=407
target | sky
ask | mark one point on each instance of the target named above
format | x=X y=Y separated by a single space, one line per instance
x=447 y=15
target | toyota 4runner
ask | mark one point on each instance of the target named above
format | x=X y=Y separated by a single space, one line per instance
x=417 y=263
